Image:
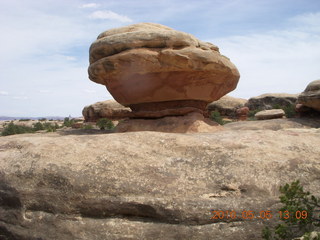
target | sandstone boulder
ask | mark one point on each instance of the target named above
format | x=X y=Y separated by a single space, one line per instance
x=227 y=105
x=151 y=66
x=107 y=109
x=270 y=114
x=270 y=100
x=311 y=96
x=147 y=185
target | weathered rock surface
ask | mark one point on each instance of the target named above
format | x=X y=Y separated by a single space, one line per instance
x=270 y=114
x=147 y=185
x=269 y=100
x=227 y=105
x=311 y=95
x=106 y=109
x=151 y=63
x=190 y=123
x=274 y=124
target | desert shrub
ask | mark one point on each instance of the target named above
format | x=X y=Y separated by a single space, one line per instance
x=42 y=119
x=104 y=123
x=276 y=106
x=215 y=116
x=12 y=129
x=290 y=111
x=24 y=120
x=38 y=126
x=252 y=113
x=295 y=200
x=89 y=126
x=67 y=122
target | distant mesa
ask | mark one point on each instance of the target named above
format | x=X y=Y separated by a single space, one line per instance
x=153 y=68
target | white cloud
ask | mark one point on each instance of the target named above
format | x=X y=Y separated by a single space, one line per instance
x=106 y=14
x=20 y=97
x=4 y=93
x=44 y=91
x=275 y=61
x=89 y=5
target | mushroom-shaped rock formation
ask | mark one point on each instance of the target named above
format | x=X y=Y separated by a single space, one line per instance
x=151 y=67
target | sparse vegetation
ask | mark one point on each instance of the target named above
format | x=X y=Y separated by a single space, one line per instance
x=12 y=129
x=24 y=120
x=215 y=116
x=67 y=122
x=105 y=124
x=290 y=111
x=88 y=126
x=300 y=213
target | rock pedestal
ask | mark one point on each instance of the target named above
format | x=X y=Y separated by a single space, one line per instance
x=311 y=96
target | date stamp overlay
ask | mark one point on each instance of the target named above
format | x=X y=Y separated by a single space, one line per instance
x=263 y=215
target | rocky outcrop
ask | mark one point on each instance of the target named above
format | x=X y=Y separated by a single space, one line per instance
x=151 y=67
x=147 y=185
x=106 y=109
x=227 y=105
x=311 y=96
x=270 y=114
x=190 y=123
x=271 y=100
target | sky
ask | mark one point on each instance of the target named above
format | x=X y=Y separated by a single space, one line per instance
x=44 y=46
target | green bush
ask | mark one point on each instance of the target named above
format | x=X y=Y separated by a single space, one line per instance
x=12 y=129
x=295 y=199
x=89 y=126
x=215 y=116
x=38 y=126
x=290 y=111
x=42 y=119
x=24 y=120
x=68 y=122
x=104 y=123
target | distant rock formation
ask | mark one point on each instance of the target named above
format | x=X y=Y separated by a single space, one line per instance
x=270 y=114
x=310 y=97
x=227 y=105
x=150 y=67
x=270 y=100
x=106 y=109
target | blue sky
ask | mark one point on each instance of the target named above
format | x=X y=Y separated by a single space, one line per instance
x=44 y=46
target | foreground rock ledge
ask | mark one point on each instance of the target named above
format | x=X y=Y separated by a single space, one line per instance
x=147 y=185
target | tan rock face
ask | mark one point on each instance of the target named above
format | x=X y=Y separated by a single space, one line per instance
x=270 y=114
x=147 y=185
x=311 y=96
x=151 y=63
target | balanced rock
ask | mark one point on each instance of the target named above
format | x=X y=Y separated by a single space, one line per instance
x=270 y=100
x=107 y=109
x=270 y=114
x=311 y=96
x=227 y=105
x=151 y=67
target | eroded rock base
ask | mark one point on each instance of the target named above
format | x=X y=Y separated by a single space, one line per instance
x=192 y=122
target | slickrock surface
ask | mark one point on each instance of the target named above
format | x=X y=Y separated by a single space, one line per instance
x=311 y=96
x=147 y=185
x=152 y=67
